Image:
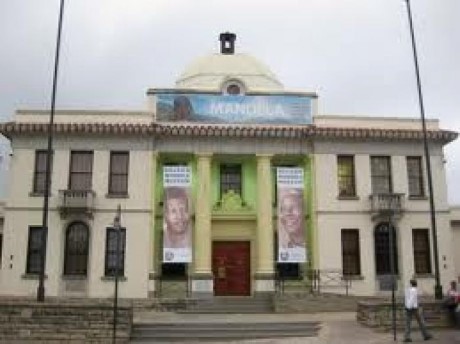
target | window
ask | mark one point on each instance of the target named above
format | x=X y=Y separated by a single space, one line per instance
x=346 y=175
x=415 y=176
x=118 y=174
x=382 y=249
x=233 y=87
x=381 y=175
x=111 y=252
x=421 y=242
x=37 y=237
x=288 y=271
x=81 y=171
x=40 y=171
x=351 y=263
x=76 y=249
x=1 y=249
x=230 y=179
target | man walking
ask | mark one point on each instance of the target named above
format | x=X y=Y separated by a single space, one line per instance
x=411 y=304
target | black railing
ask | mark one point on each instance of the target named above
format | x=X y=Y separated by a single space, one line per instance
x=76 y=200
x=387 y=202
x=315 y=281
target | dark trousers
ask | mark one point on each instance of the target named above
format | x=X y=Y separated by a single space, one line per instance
x=421 y=323
x=454 y=316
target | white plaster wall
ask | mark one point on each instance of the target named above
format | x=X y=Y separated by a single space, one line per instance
x=330 y=250
x=84 y=116
x=374 y=122
x=330 y=247
x=14 y=281
x=455 y=227
x=456 y=250
x=23 y=211
x=334 y=214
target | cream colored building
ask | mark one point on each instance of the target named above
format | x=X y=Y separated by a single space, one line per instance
x=348 y=162
x=455 y=224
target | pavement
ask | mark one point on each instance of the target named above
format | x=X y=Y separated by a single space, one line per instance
x=336 y=328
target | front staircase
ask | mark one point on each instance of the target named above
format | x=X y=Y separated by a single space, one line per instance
x=231 y=304
x=161 y=332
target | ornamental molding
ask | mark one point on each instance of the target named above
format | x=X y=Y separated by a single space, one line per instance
x=231 y=202
x=10 y=129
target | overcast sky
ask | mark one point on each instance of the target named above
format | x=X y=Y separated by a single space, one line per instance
x=355 y=54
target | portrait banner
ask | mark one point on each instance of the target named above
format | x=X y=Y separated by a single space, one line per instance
x=177 y=225
x=223 y=109
x=291 y=218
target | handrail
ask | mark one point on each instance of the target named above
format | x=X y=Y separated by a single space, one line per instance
x=318 y=280
x=387 y=202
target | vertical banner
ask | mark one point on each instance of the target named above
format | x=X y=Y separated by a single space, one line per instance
x=177 y=226
x=291 y=229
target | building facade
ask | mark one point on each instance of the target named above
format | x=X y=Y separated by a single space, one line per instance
x=350 y=170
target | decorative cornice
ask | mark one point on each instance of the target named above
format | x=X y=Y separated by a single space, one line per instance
x=209 y=130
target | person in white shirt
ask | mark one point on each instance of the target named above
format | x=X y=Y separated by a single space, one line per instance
x=411 y=305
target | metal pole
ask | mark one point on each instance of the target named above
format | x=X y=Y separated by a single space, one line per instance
x=41 y=280
x=116 y=226
x=438 y=286
x=392 y=272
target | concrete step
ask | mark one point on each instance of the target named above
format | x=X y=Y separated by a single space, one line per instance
x=222 y=305
x=192 y=331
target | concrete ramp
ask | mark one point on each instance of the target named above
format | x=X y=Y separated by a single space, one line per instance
x=220 y=331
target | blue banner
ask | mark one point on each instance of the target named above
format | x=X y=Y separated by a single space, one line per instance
x=249 y=109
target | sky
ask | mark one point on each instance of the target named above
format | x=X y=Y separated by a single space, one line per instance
x=356 y=54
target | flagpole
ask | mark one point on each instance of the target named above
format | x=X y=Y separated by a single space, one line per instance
x=438 y=286
x=41 y=281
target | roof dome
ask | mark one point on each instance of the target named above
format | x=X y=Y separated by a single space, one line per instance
x=213 y=71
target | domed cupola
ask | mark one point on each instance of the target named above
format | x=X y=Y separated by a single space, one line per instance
x=228 y=72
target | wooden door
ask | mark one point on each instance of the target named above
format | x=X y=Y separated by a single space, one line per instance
x=231 y=268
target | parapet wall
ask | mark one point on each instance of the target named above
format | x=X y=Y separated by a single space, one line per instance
x=63 y=322
x=378 y=315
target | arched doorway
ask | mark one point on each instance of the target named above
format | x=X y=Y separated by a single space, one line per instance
x=76 y=249
x=382 y=249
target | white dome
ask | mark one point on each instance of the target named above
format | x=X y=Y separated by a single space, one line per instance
x=212 y=71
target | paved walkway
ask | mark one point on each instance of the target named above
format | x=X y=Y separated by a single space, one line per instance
x=337 y=328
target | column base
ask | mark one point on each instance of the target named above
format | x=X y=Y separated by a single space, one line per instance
x=152 y=282
x=264 y=283
x=202 y=285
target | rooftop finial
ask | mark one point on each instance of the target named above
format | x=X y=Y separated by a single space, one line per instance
x=227 y=43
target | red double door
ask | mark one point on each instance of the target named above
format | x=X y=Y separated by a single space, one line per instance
x=231 y=268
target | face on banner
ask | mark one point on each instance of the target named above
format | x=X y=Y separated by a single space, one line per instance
x=177 y=226
x=291 y=222
x=291 y=218
x=177 y=218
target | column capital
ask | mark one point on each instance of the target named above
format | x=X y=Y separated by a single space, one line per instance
x=264 y=156
x=204 y=155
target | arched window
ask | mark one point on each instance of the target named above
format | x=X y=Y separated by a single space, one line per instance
x=382 y=249
x=76 y=249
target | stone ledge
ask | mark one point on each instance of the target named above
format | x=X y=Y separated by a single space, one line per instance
x=63 y=321
x=378 y=315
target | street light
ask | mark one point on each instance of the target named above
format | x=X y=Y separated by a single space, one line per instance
x=41 y=280
x=117 y=228
x=438 y=286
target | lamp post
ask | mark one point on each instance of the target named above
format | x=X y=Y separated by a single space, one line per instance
x=393 y=206
x=49 y=152
x=117 y=228
x=438 y=286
